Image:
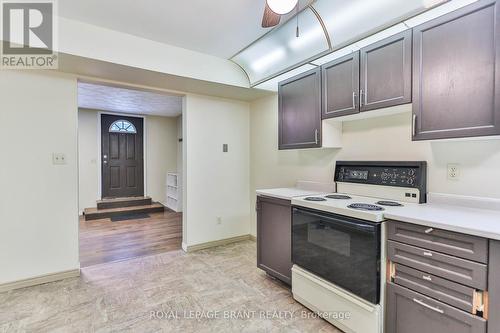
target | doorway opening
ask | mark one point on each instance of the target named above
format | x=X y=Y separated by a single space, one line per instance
x=128 y=143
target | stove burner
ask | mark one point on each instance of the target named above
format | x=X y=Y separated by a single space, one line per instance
x=315 y=199
x=389 y=203
x=363 y=206
x=338 y=196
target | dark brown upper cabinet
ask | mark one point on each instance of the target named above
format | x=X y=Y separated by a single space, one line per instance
x=299 y=111
x=341 y=86
x=456 y=74
x=385 y=74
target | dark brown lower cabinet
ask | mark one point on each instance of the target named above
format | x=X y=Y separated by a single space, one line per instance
x=411 y=312
x=494 y=287
x=274 y=237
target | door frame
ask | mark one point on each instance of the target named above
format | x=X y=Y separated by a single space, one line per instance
x=99 y=148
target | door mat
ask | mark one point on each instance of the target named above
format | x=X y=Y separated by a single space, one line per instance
x=137 y=216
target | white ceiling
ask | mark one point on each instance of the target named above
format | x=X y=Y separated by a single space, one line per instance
x=216 y=27
x=122 y=100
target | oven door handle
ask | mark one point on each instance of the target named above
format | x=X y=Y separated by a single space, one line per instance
x=358 y=226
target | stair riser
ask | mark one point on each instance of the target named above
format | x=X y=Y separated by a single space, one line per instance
x=123 y=204
x=98 y=216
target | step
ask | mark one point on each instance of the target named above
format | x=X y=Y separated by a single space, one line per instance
x=97 y=214
x=123 y=202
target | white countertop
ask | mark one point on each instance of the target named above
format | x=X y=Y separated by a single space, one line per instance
x=467 y=220
x=469 y=215
x=287 y=193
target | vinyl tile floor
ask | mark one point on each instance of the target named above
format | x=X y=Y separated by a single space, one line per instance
x=213 y=290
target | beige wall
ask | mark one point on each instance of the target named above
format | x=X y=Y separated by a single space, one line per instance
x=87 y=159
x=161 y=156
x=217 y=183
x=384 y=138
x=38 y=203
x=161 y=142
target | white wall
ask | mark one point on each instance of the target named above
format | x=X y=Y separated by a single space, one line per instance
x=38 y=204
x=384 y=138
x=90 y=41
x=87 y=159
x=161 y=156
x=217 y=183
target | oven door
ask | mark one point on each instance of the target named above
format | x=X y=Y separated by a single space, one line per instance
x=340 y=249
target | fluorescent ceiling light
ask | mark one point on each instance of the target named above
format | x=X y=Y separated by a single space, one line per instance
x=306 y=38
x=272 y=84
x=335 y=55
x=268 y=59
x=282 y=7
x=438 y=11
x=395 y=29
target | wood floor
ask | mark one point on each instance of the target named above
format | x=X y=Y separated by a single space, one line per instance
x=103 y=241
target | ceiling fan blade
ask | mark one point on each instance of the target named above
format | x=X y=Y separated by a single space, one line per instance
x=270 y=18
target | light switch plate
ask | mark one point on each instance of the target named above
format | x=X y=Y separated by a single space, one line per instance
x=58 y=158
x=225 y=148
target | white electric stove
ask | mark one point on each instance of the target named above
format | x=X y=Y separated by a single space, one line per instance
x=338 y=241
x=361 y=207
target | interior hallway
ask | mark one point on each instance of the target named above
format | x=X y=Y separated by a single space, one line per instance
x=104 y=241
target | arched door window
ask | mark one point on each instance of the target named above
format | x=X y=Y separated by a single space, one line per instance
x=122 y=126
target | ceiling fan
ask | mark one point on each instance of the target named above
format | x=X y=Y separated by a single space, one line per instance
x=275 y=9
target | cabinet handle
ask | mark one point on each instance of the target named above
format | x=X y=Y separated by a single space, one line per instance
x=354 y=100
x=438 y=310
x=414 y=125
x=316 y=136
x=361 y=94
x=428 y=231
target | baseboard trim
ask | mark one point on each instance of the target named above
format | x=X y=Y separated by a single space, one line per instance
x=253 y=238
x=42 y=279
x=207 y=245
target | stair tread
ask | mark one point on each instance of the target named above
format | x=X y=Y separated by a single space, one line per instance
x=94 y=210
x=123 y=199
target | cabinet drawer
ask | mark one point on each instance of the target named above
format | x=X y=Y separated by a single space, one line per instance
x=463 y=271
x=441 y=289
x=455 y=244
x=411 y=312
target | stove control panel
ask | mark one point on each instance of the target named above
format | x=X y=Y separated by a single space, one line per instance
x=401 y=174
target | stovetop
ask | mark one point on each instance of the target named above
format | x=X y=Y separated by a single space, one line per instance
x=366 y=208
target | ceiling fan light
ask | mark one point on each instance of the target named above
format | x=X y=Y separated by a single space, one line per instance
x=282 y=7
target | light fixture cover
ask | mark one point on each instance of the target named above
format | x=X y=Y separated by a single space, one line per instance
x=282 y=7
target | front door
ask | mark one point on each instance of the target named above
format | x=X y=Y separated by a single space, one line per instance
x=122 y=156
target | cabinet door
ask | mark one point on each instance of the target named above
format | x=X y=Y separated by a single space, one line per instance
x=341 y=86
x=411 y=312
x=274 y=238
x=300 y=111
x=494 y=288
x=456 y=78
x=385 y=74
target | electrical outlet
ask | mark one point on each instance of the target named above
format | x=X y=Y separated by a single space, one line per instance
x=453 y=171
x=219 y=220
x=58 y=159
